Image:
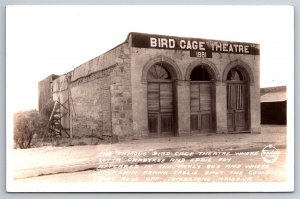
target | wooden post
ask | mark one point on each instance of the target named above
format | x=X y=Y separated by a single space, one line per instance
x=69 y=107
x=71 y=125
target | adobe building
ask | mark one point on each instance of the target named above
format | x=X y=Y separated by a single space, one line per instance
x=157 y=85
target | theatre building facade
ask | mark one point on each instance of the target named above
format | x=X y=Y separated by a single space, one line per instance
x=156 y=85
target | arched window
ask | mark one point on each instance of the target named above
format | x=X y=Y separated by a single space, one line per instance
x=200 y=73
x=235 y=75
x=158 y=71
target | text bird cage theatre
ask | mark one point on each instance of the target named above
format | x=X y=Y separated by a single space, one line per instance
x=158 y=85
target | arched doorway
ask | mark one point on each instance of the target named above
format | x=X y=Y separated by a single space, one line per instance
x=237 y=100
x=161 y=102
x=202 y=99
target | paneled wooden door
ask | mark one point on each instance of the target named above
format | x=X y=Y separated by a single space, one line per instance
x=161 y=117
x=237 y=107
x=201 y=98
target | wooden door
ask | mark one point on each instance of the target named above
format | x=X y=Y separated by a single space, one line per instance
x=237 y=107
x=161 y=108
x=201 y=106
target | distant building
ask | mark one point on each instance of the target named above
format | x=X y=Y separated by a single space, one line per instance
x=273 y=105
x=45 y=91
x=158 y=85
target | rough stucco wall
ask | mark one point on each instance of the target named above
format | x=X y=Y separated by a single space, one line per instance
x=45 y=91
x=101 y=95
x=121 y=96
x=221 y=107
x=91 y=113
x=255 y=99
x=140 y=57
x=183 y=104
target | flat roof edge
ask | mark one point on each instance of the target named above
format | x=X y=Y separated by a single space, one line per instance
x=178 y=37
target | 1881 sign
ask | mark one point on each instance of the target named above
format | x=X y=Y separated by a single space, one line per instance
x=198 y=47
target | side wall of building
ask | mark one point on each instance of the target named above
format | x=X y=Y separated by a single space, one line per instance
x=100 y=96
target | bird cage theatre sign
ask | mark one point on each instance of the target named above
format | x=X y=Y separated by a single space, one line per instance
x=156 y=86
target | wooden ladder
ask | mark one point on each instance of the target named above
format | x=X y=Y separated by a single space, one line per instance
x=59 y=111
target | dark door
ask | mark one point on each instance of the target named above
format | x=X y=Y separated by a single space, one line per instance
x=160 y=99
x=160 y=108
x=237 y=107
x=201 y=106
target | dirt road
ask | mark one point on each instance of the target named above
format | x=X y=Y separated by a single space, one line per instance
x=52 y=160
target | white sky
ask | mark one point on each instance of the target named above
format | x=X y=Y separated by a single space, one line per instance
x=44 y=40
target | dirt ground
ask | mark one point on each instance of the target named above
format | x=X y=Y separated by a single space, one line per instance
x=51 y=160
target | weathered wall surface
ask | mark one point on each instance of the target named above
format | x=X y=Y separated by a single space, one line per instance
x=45 y=91
x=91 y=102
x=183 y=62
x=100 y=95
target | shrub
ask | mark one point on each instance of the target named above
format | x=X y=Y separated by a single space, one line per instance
x=27 y=126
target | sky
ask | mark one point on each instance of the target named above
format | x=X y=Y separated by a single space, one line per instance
x=44 y=40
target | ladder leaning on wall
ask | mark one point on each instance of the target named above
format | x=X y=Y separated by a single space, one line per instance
x=61 y=110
